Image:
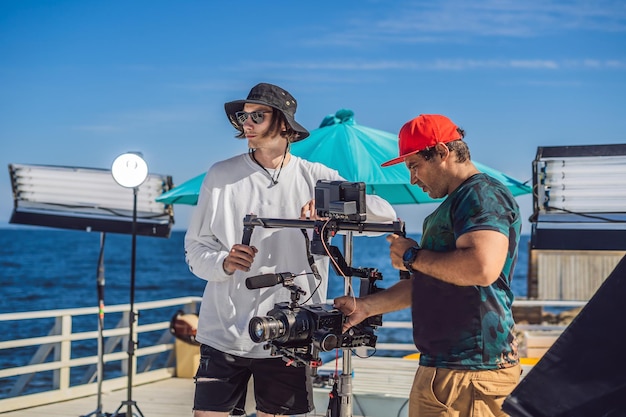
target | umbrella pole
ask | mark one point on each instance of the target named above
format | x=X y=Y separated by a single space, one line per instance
x=345 y=379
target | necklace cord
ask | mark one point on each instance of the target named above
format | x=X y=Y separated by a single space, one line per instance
x=282 y=162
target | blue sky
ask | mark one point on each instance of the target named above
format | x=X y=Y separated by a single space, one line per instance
x=84 y=81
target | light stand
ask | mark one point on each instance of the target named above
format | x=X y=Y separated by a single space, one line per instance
x=91 y=199
x=100 y=365
x=130 y=170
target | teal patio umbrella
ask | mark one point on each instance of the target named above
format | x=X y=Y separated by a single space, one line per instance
x=185 y=193
x=356 y=152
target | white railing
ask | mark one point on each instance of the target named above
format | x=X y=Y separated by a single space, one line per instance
x=55 y=353
x=73 y=376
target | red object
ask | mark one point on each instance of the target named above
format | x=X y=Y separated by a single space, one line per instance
x=425 y=131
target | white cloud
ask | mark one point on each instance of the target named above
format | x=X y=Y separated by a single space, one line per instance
x=453 y=21
x=446 y=65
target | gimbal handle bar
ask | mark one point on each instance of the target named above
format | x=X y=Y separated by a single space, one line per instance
x=251 y=220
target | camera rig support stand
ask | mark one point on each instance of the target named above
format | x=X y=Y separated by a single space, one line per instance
x=344 y=388
x=344 y=391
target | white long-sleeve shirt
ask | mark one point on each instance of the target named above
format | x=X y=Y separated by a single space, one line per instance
x=231 y=190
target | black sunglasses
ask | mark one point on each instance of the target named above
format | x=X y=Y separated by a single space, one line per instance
x=256 y=116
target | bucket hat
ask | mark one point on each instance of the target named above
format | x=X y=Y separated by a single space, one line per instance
x=269 y=95
x=422 y=132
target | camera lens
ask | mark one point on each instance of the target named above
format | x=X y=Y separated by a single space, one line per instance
x=262 y=329
x=256 y=330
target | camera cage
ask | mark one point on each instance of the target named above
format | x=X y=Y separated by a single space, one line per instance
x=343 y=204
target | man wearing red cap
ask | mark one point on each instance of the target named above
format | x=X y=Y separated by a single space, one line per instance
x=460 y=286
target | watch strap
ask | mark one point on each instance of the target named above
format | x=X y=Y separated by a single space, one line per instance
x=409 y=257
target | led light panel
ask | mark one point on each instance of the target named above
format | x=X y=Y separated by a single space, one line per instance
x=579 y=198
x=88 y=199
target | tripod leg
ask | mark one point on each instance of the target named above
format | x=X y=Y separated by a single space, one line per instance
x=138 y=410
x=116 y=413
x=129 y=406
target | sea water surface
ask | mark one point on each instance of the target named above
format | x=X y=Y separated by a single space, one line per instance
x=44 y=269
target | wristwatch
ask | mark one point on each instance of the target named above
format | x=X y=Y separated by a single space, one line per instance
x=409 y=257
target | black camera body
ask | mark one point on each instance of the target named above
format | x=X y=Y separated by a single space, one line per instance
x=299 y=332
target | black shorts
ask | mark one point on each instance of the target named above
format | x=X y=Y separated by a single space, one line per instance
x=222 y=380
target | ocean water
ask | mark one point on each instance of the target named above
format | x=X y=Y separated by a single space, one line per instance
x=44 y=269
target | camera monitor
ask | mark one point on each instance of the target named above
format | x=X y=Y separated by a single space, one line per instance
x=340 y=200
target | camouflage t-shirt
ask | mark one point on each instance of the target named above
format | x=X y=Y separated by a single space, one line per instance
x=468 y=327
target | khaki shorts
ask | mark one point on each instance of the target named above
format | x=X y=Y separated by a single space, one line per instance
x=448 y=392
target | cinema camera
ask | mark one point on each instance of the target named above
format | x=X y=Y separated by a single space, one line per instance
x=300 y=332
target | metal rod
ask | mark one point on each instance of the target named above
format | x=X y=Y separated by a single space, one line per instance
x=394 y=227
x=345 y=380
x=100 y=282
x=131 y=321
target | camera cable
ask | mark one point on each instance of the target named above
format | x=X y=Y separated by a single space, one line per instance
x=311 y=261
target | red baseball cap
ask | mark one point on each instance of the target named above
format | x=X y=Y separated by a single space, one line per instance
x=425 y=131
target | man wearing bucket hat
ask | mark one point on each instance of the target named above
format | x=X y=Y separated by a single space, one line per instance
x=460 y=287
x=270 y=182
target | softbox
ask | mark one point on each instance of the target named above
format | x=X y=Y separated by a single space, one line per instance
x=87 y=199
x=583 y=374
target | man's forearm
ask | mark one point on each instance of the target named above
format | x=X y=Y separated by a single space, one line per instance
x=394 y=298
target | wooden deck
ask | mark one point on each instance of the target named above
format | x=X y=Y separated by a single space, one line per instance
x=166 y=398
x=174 y=396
